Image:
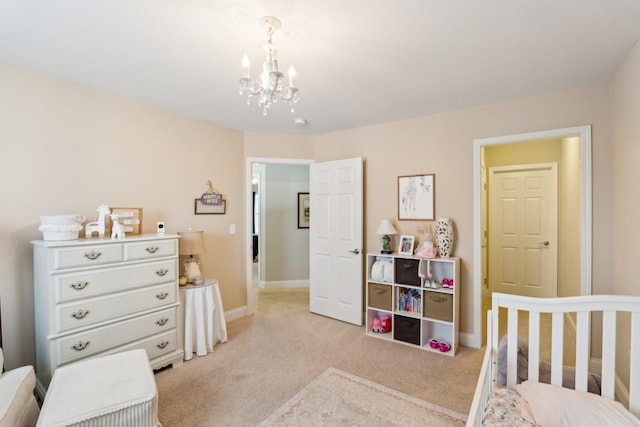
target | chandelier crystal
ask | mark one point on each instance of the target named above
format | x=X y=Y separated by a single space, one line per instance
x=270 y=87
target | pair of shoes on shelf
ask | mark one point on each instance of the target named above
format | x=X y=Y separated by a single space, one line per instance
x=447 y=283
x=443 y=346
x=433 y=284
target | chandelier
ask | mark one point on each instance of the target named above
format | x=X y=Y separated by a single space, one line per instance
x=270 y=87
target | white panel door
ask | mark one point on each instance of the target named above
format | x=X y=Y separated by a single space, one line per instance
x=523 y=230
x=335 y=269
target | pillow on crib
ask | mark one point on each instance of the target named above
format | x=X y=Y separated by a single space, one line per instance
x=558 y=406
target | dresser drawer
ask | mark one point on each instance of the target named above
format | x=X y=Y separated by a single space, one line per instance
x=87 y=312
x=82 y=256
x=73 y=286
x=98 y=340
x=155 y=346
x=154 y=249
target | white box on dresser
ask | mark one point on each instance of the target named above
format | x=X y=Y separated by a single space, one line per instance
x=100 y=296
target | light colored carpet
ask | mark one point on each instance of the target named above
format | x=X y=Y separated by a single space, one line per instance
x=339 y=398
x=282 y=348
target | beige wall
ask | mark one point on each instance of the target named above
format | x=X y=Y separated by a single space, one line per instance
x=67 y=148
x=443 y=144
x=625 y=147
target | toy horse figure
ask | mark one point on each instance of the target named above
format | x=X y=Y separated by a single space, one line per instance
x=98 y=226
x=117 y=231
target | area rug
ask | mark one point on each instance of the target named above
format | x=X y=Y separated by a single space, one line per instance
x=339 y=398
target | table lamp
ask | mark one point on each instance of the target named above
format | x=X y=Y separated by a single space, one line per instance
x=385 y=229
x=192 y=244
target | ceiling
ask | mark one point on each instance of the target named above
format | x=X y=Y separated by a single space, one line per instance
x=358 y=62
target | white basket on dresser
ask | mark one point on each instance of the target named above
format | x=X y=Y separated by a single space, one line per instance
x=101 y=296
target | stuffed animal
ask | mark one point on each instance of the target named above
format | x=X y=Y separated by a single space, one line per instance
x=385 y=323
x=376 y=325
x=544 y=372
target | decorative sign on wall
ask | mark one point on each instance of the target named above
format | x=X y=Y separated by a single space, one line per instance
x=211 y=197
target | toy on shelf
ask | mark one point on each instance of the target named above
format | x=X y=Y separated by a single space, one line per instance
x=381 y=324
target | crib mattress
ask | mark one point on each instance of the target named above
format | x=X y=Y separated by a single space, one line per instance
x=114 y=390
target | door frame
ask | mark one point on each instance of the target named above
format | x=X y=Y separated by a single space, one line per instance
x=248 y=216
x=584 y=134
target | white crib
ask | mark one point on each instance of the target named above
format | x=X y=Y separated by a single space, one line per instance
x=583 y=307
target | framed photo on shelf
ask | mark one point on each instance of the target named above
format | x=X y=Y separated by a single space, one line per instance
x=202 y=209
x=416 y=197
x=406 y=245
x=130 y=219
x=303 y=210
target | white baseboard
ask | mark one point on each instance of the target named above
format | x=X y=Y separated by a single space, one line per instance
x=236 y=313
x=466 y=339
x=284 y=284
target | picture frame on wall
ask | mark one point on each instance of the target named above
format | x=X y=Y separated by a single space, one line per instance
x=416 y=197
x=303 y=210
x=406 y=245
x=203 y=209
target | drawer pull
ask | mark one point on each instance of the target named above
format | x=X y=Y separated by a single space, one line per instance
x=162 y=272
x=162 y=321
x=162 y=295
x=80 y=314
x=437 y=299
x=78 y=286
x=80 y=345
x=92 y=255
x=380 y=291
x=162 y=345
x=152 y=249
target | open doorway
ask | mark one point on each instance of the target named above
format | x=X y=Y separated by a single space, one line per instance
x=281 y=258
x=577 y=268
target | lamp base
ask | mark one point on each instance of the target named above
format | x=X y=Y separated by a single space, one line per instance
x=191 y=269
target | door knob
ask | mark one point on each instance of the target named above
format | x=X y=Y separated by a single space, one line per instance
x=546 y=243
x=355 y=251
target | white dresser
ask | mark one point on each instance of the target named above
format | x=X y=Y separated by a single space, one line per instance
x=100 y=296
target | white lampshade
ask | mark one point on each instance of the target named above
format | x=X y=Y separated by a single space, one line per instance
x=191 y=242
x=386 y=227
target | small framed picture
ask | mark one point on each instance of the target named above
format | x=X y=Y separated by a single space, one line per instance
x=303 y=210
x=202 y=209
x=130 y=219
x=406 y=245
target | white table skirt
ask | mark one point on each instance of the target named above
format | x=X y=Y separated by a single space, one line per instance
x=204 y=323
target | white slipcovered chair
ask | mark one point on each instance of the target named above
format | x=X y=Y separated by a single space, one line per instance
x=18 y=406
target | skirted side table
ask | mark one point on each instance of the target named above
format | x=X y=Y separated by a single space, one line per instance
x=203 y=316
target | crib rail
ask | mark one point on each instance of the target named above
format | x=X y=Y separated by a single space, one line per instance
x=583 y=307
x=485 y=382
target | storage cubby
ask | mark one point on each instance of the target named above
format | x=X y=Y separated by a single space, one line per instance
x=408 y=293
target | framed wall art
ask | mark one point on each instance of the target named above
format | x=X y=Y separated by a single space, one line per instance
x=406 y=245
x=303 y=210
x=203 y=209
x=416 y=197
